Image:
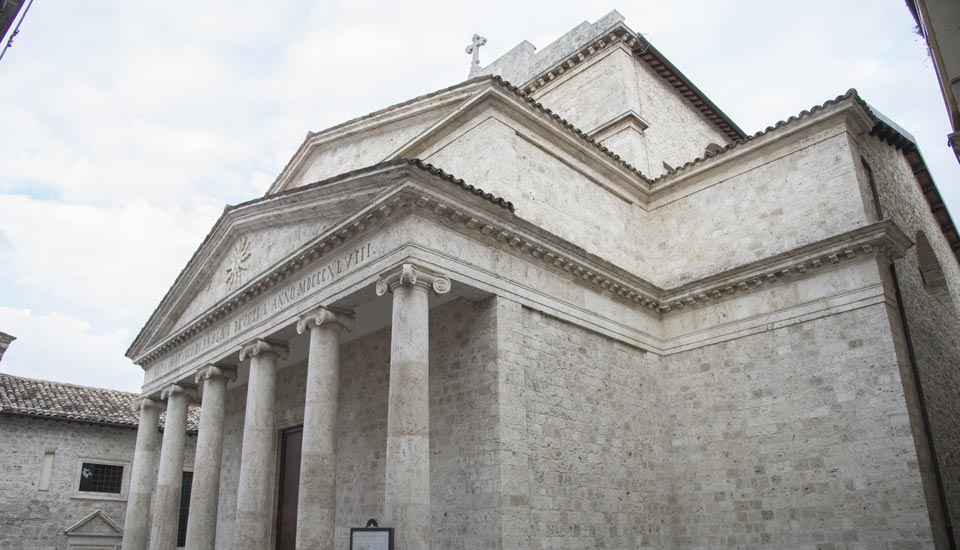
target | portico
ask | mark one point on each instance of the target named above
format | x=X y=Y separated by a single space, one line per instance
x=360 y=282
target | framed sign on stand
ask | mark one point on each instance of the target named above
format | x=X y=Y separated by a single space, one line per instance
x=371 y=537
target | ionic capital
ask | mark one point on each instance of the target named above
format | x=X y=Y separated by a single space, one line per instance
x=142 y=403
x=412 y=275
x=325 y=317
x=226 y=372
x=257 y=347
x=180 y=388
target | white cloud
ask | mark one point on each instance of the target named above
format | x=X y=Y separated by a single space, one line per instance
x=111 y=262
x=58 y=347
x=129 y=125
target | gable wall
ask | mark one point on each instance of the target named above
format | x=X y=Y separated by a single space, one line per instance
x=266 y=246
x=365 y=149
x=616 y=82
x=546 y=189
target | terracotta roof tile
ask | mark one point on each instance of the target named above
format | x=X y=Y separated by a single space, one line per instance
x=58 y=401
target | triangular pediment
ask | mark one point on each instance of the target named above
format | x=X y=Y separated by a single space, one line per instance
x=95 y=524
x=249 y=240
x=370 y=139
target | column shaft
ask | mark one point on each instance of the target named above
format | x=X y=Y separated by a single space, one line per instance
x=166 y=502
x=317 y=500
x=136 y=525
x=205 y=493
x=407 y=490
x=257 y=460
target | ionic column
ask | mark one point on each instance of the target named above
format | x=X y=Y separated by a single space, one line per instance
x=317 y=500
x=257 y=461
x=136 y=524
x=204 y=495
x=407 y=490
x=166 y=501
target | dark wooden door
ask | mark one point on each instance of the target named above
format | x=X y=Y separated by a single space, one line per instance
x=289 y=488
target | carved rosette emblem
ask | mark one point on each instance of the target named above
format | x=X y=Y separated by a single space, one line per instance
x=238 y=257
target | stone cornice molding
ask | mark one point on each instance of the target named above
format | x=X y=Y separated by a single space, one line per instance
x=481 y=220
x=360 y=222
x=620 y=35
x=628 y=119
x=389 y=115
x=883 y=239
x=326 y=318
x=180 y=388
x=258 y=346
x=412 y=275
x=146 y=403
x=215 y=371
x=546 y=130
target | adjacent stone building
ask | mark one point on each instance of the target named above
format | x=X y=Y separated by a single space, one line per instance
x=65 y=457
x=583 y=311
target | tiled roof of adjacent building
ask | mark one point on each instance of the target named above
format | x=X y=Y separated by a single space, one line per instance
x=58 y=401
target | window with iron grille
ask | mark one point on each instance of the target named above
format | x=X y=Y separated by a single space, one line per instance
x=185 y=484
x=101 y=478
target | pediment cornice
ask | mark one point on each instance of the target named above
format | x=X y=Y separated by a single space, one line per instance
x=370 y=185
x=424 y=192
x=358 y=126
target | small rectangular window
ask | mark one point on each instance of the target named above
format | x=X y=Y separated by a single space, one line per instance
x=100 y=478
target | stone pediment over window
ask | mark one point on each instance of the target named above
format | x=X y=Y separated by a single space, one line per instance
x=94 y=524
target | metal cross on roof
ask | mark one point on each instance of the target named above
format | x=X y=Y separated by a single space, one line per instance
x=474 y=48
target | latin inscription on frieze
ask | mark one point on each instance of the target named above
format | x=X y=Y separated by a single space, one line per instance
x=286 y=294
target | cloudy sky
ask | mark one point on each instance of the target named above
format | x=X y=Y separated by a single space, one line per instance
x=125 y=127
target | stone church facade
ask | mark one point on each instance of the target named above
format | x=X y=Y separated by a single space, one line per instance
x=585 y=312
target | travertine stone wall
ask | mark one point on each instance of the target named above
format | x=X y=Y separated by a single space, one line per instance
x=797 y=191
x=777 y=199
x=594 y=436
x=548 y=192
x=364 y=149
x=613 y=90
x=933 y=324
x=34 y=519
x=617 y=82
x=464 y=440
x=795 y=438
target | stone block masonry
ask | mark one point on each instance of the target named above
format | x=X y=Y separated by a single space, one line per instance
x=34 y=519
x=795 y=438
